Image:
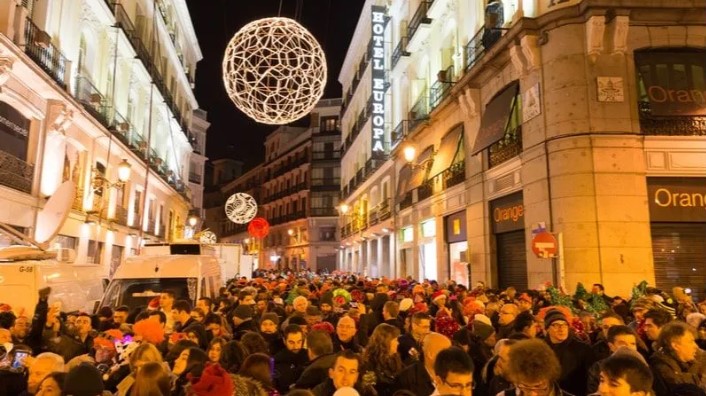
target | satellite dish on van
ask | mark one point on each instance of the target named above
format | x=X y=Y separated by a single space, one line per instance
x=53 y=215
x=49 y=221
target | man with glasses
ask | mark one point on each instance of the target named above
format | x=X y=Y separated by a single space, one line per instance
x=574 y=356
x=453 y=373
x=506 y=319
x=345 y=336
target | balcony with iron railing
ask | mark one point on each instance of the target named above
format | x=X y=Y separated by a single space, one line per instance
x=332 y=155
x=398 y=134
x=406 y=201
x=325 y=184
x=419 y=17
x=480 y=43
x=510 y=146
x=39 y=47
x=323 y=212
x=669 y=125
x=16 y=173
x=441 y=88
x=399 y=51
x=92 y=99
x=419 y=112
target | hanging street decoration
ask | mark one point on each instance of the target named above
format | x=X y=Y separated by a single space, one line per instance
x=259 y=227
x=274 y=70
x=241 y=208
x=207 y=237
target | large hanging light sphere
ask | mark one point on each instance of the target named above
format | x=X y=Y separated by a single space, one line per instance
x=241 y=208
x=274 y=70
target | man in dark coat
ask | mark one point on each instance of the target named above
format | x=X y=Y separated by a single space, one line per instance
x=181 y=313
x=410 y=346
x=345 y=336
x=321 y=356
x=290 y=362
x=416 y=378
x=344 y=373
x=242 y=319
x=575 y=357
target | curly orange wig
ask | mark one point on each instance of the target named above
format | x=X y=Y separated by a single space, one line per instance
x=150 y=331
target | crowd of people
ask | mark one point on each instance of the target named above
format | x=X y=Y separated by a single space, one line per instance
x=341 y=334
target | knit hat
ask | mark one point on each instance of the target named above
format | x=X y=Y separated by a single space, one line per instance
x=297 y=320
x=406 y=304
x=271 y=316
x=83 y=380
x=482 y=330
x=553 y=316
x=437 y=295
x=242 y=312
x=324 y=326
x=214 y=381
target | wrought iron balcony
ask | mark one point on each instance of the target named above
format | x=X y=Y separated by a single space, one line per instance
x=441 y=88
x=398 y=134
x=479 y=44
x=420 y=111
x=510 y=146
x=38 y=46
x=399 y=51
x=425 y=190
x=419 y=17
x=16 y=173
x=670 y=125
x=92 y=100
x=406 y=201
x=455 y=174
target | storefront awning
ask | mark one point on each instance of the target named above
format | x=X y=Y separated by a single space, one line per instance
x=403 y=180
x=448 y=149
x=495 y=118
x=419 y=173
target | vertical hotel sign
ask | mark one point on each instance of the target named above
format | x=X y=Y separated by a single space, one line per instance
x=378 y=75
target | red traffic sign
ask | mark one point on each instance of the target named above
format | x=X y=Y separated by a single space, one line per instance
x=544 y=245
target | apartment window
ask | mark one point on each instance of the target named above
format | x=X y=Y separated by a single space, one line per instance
x=327 y=233
x=329 y=124
x=95 y=251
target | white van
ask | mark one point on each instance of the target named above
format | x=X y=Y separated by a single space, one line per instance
x=74 y=287
x=141 y=278
x=230 y=255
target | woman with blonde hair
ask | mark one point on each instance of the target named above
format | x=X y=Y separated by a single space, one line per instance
x=152 y=379
x=382 y=362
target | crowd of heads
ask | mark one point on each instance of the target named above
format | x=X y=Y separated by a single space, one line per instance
x=277 y=334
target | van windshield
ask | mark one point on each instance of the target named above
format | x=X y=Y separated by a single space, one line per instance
x=138 y=292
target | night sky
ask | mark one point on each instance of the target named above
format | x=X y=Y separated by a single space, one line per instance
x=232 y=134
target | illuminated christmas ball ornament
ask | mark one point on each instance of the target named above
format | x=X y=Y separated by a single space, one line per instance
x=274 y=70
x=241 y=208
x=259 y=227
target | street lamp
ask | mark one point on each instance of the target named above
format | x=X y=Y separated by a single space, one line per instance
x=343 y=208
x=410 y=154
x=290 y=232
x=123 y=176
x=193 y=220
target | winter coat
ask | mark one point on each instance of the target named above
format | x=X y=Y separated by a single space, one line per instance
x=316 y=372
x=415 y=379
x=288 y=368
x=353 y=344
x=669 y=372
x=575 y=358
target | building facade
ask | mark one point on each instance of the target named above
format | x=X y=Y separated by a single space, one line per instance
x=570 y=117
x=297 y=190
x=87 y=86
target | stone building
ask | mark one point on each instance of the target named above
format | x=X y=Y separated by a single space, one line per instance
x=297 y=190
x=88 y=88
x=580 y=118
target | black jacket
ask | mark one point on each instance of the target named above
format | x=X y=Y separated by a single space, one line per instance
x=415 y=379
x=575 y=358
x=353 y=344
x=316 y=372
x=406 y=344
x=288 y=368
x=241 y=329
x=327 y=388
x=670 y=372
x=197 y=328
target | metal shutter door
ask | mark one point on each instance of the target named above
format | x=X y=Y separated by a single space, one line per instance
x=679 y=251
x=512 y=259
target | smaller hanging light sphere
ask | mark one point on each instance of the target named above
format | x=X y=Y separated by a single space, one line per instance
x=274 y=70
